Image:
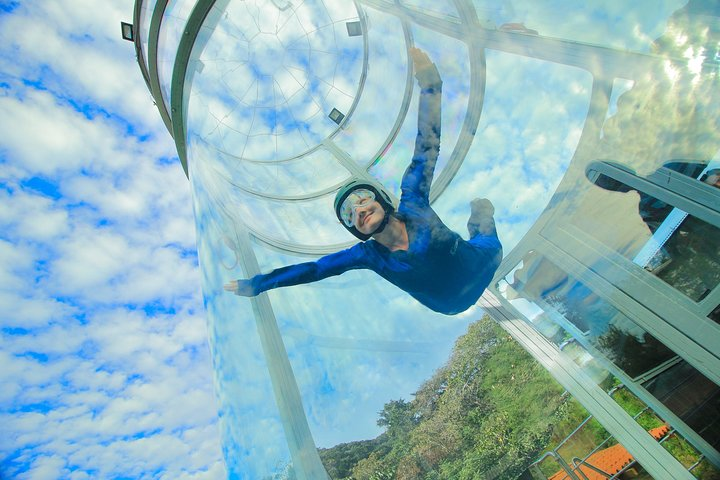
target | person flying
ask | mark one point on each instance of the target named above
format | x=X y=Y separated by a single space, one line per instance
x=409 y=245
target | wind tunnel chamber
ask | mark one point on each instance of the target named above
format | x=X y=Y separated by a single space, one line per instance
x=591 y=126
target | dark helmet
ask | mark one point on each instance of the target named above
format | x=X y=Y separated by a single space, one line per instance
x=381 y=196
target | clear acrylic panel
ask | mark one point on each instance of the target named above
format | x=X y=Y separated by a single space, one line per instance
x=442 y=8
x=613 y=24
x=171 y=29
x=146 y=11
x=382 y=103
x=290 y=100
x=680 y=249
x=250 y=422
x=690 y=396
x=347 y=363
x=592 y=318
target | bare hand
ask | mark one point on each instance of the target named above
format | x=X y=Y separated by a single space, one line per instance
x=420 y=59
x=240 y=287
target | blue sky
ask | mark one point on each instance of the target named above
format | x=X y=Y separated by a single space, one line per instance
x=105 y=371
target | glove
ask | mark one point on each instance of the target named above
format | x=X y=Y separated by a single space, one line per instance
x=240 y=287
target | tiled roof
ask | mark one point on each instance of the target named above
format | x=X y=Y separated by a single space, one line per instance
x=610 y=460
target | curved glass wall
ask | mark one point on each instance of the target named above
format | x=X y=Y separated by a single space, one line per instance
x=591 y=127
x=146 y=11
x=171 y=28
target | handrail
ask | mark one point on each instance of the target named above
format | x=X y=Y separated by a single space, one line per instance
x=563 y=464
x=577 y=462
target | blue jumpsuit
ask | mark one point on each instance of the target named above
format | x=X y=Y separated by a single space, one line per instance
x=440 y=270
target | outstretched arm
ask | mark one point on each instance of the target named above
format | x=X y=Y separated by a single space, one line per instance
x=419 y=174
x=327 y=266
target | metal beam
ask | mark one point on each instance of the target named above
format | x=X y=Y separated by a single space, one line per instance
x=651 y=455
x=306 y=460
x=139 y=55
x=153 y=40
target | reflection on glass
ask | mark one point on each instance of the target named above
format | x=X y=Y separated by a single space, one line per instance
x=454 y=66
x=678 y=248
x=617 y=25
x=612 y=333
x=690 y=396
x=544 y=292
x=173 y=22
x=146 y=12
x=433 y=7
x=715 y=314
x=581 y=446
x=371 y=129
x=590 y=452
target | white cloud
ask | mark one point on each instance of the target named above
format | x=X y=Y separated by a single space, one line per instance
x=106 y=370
x=136 y=393
x=48 y=468
x=75 y=47
x=33 y=217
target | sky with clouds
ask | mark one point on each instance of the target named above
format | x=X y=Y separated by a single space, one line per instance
x=106 y=367
x=106 y=371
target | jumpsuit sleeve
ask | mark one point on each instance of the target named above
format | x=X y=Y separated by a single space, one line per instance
x=419 y=174
x=327 y=266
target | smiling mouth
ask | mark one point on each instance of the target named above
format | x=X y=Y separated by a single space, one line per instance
x=364 y=220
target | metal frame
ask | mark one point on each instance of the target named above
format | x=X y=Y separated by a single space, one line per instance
x=651 y=455
x=139 y=55
x=306 y=462
x=647 y=321
x=153 y=40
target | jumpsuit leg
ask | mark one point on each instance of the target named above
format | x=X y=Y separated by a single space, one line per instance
x=481 y=217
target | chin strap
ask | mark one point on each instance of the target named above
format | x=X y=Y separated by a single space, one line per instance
x=383 y=224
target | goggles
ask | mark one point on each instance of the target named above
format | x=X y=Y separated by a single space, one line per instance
x=358 y=198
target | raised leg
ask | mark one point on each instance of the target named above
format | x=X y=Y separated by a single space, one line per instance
x=481 y=217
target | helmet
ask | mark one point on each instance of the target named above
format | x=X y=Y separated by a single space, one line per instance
x=381 y=195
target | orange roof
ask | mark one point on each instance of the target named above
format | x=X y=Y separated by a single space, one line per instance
x=659 y=432
x=610 y=460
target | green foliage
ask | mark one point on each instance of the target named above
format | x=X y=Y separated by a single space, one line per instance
x=340 y=459
x=399 y=417
x=373 y=468
x=487 y=414
x=706 y=471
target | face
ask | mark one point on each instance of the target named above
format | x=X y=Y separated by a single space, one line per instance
x=367 y=218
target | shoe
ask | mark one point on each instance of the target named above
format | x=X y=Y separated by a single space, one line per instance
x=481 y=217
